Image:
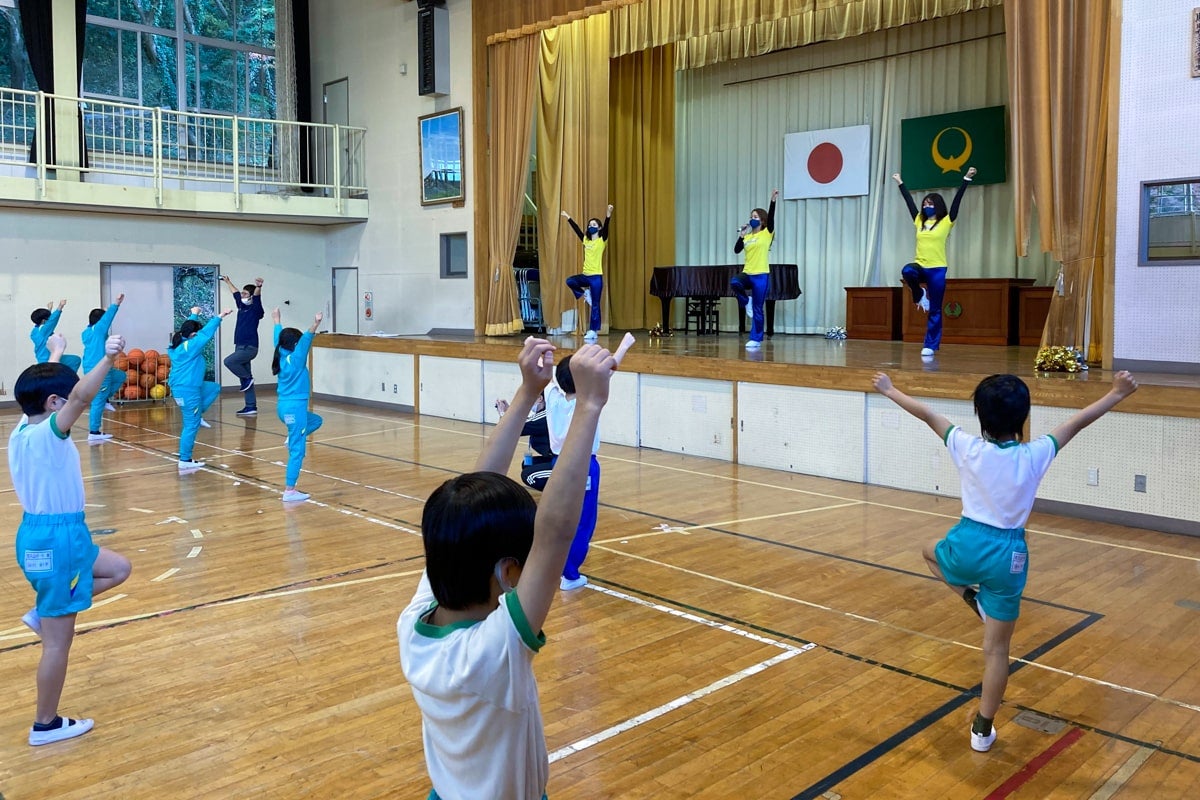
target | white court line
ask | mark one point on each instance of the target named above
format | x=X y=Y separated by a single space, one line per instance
x=165 y=575
x=196 y=534
x=908 y=631
x=723 y=523
x=789 y=651
x=142 y=510
x=1119 y=778
x=195 y=551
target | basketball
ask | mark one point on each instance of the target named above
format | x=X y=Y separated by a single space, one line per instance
x=164 y=360
x=131 y=377
x=135 y=356
x=152 y=355
x=121 y=362
x=132 y=392
x=163 y=372
x=158 y=391
x=146 y=381
x=150 y=365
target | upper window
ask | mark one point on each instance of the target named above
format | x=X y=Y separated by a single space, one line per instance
x=15 y=72
x=1170 y=224
x=214 y=57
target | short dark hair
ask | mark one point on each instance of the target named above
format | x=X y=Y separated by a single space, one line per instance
x=288 y=338
x=35 y=385
x=470 y=522
x=249 y=287
x=939 y=204
x=562 y=376
x=40 y=315
x=95 y=316
x=1002 y=405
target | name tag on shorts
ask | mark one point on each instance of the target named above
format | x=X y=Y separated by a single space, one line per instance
x=1018 y=563
x=39 y=560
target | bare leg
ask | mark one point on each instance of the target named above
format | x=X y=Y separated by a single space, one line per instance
x=997 y=637
x=111 y=569
x=932 y=564
x=57 y=635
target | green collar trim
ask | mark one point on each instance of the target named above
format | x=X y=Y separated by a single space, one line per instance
x=533 y=641
x=440 y=631
x=54 y=427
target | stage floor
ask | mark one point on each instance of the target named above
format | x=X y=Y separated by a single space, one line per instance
x=817 y=362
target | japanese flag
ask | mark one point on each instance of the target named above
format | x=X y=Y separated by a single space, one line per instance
x=829 y=163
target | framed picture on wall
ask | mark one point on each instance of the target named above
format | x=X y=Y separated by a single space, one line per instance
x=441 y=141
x=1195 y=37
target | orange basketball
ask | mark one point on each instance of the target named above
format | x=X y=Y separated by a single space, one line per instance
x=146 y=381
x=166 y=389
x=164 y=359
x=150 y=365
x=135 y=356
x=151 y=355
x=131 y=377
x=132 y=392
x=121 y=362
x=163 y=372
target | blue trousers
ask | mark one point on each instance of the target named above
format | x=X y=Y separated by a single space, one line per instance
x=238 y=363
x=577 y=283
x=752 y=289
x=300 y=423
x=934 y=279
x=587 y=523
x=194 y=401
x=112 y=384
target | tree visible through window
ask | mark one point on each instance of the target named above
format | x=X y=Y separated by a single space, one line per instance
x=15 y=72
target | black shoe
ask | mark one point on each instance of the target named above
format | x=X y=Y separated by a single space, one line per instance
x=248 y=411
x=969 y=598
x=246 y=383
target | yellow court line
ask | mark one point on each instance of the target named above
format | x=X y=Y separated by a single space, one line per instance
x=891 y=626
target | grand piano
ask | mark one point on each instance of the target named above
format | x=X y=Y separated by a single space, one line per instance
x=703 y=286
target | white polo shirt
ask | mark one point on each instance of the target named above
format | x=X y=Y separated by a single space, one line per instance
x=999 y=479
x=44 y=463
x=480 y=716
x=559 y=411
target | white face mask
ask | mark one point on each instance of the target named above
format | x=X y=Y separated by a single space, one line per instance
x=505 y=586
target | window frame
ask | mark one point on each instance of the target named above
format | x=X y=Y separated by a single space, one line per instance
x=1144 y=201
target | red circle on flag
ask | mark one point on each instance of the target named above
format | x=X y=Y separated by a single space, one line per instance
x=825 y=162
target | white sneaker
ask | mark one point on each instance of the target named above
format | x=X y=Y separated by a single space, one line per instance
x=69 y=729
x=590 y=336
x=587 y=296
x=568 y=585
x=926 y=351
x=204 y=423
x=981 y=744
x=292 y=496
x=753 y=345
x=99 y=437
x=923 y=303
x=33 y=620
x=185 y=466
x=109 y=407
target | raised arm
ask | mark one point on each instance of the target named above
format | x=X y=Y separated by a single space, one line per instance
x=562 y=499
x=770 y=223
x=305 y=343
x=537 y=365
x=604 y=227
x=87 y=387
x=110 y=313
x=1124 y=385
x=962 y=187
x=58 y=345
x=258 y=282
x=936 y=422
x=912 y=206
x=574 y=227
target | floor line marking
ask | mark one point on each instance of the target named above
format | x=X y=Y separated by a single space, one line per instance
x=196 y=534
x=899 y=628
x=165 y=575
x=195 y=551
x=723 y=523
x=1117 y=781
x=1020 y=778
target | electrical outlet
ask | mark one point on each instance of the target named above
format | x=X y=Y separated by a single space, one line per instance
x=1093 y=476
x=1139 y=483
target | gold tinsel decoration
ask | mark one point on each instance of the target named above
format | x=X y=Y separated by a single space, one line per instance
x=658 y=331
x=1059 y=359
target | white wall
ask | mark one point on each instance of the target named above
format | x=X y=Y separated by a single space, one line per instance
x=396 y=252
x=1156 y=316
x=48 y=255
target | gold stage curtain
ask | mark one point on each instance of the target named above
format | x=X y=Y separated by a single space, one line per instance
x=710 y=31
x=508 y=20
x=642 y=177
x=572 y=156
x=1061 y=59
x=512 y=67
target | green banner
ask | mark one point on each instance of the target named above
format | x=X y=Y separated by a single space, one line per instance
x=935 y=152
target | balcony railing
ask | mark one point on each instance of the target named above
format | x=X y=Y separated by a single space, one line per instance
x=158 y=146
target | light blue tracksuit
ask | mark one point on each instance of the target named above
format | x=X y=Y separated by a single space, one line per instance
x=292 y=392
x=192 y=392
x=94 y=338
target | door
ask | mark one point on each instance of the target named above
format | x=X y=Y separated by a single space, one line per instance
x=335 y=99
x=345 y=300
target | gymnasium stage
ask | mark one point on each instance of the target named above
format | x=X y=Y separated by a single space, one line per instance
x=812 y=361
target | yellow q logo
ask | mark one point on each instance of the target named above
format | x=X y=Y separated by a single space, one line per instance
x=953 y=163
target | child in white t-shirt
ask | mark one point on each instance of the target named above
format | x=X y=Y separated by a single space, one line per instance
x=1000 y=477
x=54 y=547
x=493 y=560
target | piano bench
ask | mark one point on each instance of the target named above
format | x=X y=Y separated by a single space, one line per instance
x=704 y=314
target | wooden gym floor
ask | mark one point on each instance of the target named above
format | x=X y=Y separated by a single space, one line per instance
x=747 y=633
